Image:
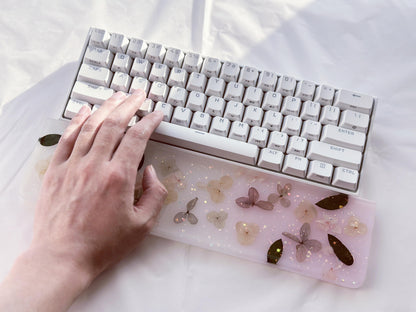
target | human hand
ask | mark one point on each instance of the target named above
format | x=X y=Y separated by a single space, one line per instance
x=85 y=211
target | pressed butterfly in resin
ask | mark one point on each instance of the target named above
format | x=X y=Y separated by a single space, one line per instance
x=305 y=244
x=253 y=200
x=187 y=215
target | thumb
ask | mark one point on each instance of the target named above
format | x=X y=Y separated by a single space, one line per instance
x=154 y=194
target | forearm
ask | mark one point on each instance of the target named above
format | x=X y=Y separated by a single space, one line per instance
x=41 y=280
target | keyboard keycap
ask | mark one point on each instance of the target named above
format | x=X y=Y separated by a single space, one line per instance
x=121 y=82
x=201 y=121
x=182 y=116
x=291 y=106
x=99 y=38
x=178 y=77
x=305 y=90
x=329 y=115
x=146 y=108
x=310 y=110
x=207 y=143
x=177 y=96
x=272 y=101
x=215 y=106
x=90 y=93
x=343 y=137
x=335 y=155
x=95 y=74
x=215 y=87
x=271 y=159
x=196 y=101
x=158 y=92
x=324 y=95
x=155 y=53
x=230 y=71
x=320 y=171
x=278 y=141
x=140 y=83
x=258 y=136
x=211 y=67
x=137 y=48
x=166 y=108
x=122 y=63
x=248 y=76
x=295 y=165
x=253 y=115
x=354 y=121
x=267 y=81
x=239 y=131
x=192 y=62
x=291 y=125
x=297 y=146
x=196 y=82
x=234 y=111
x=140 y=68
x=311 y=130
x=345 y=178
x=98 y=57
x=361 y=103
x=286 y=85
x=174 y=58
x=118 y=43
x=220 y=126
x=234 y=92
x=253 y=96
x=73 y=107
x=272 y=120
x=159 y=72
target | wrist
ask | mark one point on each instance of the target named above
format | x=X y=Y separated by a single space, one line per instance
x=50 y=279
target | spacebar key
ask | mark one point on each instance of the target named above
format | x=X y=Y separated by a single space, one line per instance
x=206 y=143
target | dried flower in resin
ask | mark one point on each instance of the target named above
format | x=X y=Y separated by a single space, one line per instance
x=305 y=244
x=246 y=232
x=217 y=218
x=329 y=224
x=172 y=194
x=187 y=215
x=216 y=188
x=168 y=166
x=41 y=166
x=253 y=200
x=281 y=196
x=305 y=211
x=354 y=227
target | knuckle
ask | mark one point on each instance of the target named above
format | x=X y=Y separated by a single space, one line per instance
x=89 y=127
x=141 y=134
x=111 y=122
x=117 y=175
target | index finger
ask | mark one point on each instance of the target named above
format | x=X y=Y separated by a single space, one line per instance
x=132 y=146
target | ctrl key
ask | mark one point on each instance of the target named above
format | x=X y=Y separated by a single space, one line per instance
x=345 y=178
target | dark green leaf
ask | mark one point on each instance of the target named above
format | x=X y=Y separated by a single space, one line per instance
x=49 y=139
x=275 y=252
x=342 y=252
x=333 y=202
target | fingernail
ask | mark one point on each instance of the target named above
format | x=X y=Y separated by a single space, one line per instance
x=83 y=110
x=118 y=95
x=138 y=92
x=152 y=171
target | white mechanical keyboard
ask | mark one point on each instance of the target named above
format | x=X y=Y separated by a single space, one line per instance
x=305 y=130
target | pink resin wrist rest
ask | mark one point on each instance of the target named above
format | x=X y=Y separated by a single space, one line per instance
x=262 y=217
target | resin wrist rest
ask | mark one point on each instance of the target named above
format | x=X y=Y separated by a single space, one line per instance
x=258 y=216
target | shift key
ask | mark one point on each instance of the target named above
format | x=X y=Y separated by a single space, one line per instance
x=335 y=155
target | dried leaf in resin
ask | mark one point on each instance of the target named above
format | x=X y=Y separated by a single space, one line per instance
x=49 y=139
x=340 y=250
x=333 y=202
x=275 y=252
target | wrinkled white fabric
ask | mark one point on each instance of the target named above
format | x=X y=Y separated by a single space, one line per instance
x=367 y=47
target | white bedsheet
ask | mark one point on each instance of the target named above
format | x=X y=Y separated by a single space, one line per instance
x=363 y=47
